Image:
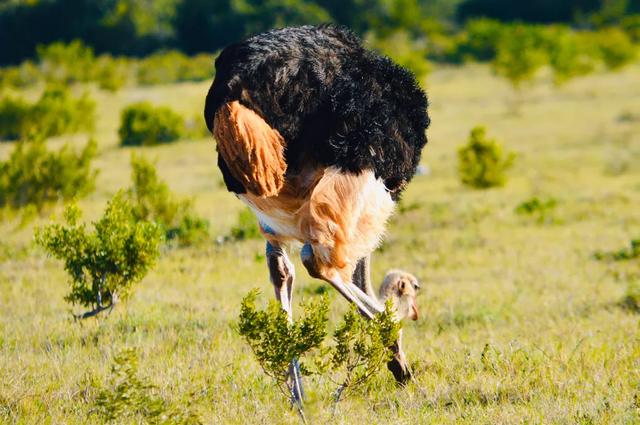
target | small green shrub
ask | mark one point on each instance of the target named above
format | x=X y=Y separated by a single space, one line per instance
x=111 y=73
x=570 y=54
x=631 y=299
x=23 y=75
x=479 y=40
x=58 y=113
x=623 y=254
x=275 y=341
x=66 y=63
x=520 y=53
x=359 y=347
x=55 y=113
x=153 y=201
x=614 y=47
x=159 y=68
x=104 y=264
x=36 y=176
x=128 y=397
x=197 y=68
x=14 y=118
x=191 y=230
x=631 y=26
x=173 y=66
x=246 y=226
x=482 y=163
x=142 y=124
x=540 y=209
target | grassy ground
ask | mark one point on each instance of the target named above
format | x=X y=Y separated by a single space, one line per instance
x=519 y=322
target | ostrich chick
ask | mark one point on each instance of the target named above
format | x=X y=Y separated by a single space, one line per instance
x=402 y=288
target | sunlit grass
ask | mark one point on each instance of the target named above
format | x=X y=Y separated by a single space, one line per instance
x=519 y=321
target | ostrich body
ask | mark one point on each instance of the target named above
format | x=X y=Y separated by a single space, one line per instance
x=318 y=136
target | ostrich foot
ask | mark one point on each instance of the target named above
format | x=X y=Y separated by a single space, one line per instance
x=295 y=384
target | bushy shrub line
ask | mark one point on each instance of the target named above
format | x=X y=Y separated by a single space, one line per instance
x=55 y=113
x=518 y=50
x=569 y=52
x=143 y=124
x=76 y=63
x=66 y=64
x=35 y=176
x=152 y=200
x=173 y=66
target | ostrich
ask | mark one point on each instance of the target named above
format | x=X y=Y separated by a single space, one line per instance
x=319 y=137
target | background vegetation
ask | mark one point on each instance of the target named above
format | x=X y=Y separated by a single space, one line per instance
x=530 y=273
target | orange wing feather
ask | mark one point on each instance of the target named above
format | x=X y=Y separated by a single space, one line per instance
x=253 y=151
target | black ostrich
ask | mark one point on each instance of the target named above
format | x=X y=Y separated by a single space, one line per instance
x=319 y=136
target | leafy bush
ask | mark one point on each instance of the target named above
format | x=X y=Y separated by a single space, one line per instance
x=103 y=264
x=23 y=75
x=66 y=63
x=570 y=54
x=14 y=118
x=360 y=346
x=191 y=230
x=631 y=299
x=58 y=113
x=275 y=341
x=35 y=176
x=631 y=26
x=622 y=254
x=55 y=113
x=482 y=162
x=479 y=40
x=128 y=396
x=538 y=208
x=197 y=68
x=246 y=226
x=614 y=47
x=142 y=124
x=153 y=201
x=173 y=66
x=520 y=53
x=111 y=73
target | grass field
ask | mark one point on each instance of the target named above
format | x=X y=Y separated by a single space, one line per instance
x=519 y=323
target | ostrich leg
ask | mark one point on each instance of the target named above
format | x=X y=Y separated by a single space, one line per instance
x=398 y=365
x=282 y=274
x=362 y=276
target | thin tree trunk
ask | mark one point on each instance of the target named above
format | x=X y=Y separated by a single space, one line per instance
x=100 y=307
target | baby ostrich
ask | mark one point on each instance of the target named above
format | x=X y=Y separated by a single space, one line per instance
x=318 y=136
x=401 y=288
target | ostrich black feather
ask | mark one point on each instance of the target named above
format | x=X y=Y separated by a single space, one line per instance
x=334 y=102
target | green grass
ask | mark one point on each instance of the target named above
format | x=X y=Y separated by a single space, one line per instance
x=519 y=323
